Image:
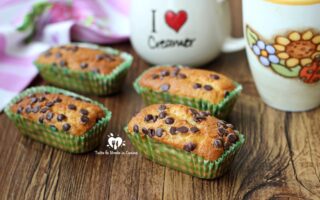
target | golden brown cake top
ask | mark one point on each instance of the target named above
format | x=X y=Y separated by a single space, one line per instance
x=184 y=128
x=59 y=112
x=80 y=59
x=187 y=82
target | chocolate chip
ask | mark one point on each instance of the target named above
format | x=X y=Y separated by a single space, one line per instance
x=159 y=132
x=165 y=73
x=49 y=116
x=182 y=76
x=63 y=63
x=74 y=48
x=199 y=118
x=20 y=109
x=61 y=117
x=66 y=127
x=208 y=87
x=155 y=76
x=57 y=100
x=232 y=138
x=109 y=57
x=189 y=147
x=218 y=143
x=193 y=111
x=84 y=111
x=194 y=129
x=53 y=128
x=221 y=123
x=72 y=107
x=34 y=100
x=99 y=57
x=40 y=120
x=151 y=132
x=136 y=128
x=28 y=109
x=49 y=104
x=173 y=130
x=162 y=107
x=197 y=86
x=148 y=118
x=226 y=145
x=169 y=120
x=44 y=110
x=77 y=98
x=162 y=115
x=176 y=71
x=226 y=93
x=196 y=120
x=222 y=131
x=183 y=129
x=214 y=76
x=204 y=113
x=83 y=65
x=42 y=99
x=165 y=87
x=155 y=118
x=58 y=55
x=145 y=131
x=84 y=119
x=31 y=95
x=36 y=109
x=230 y=126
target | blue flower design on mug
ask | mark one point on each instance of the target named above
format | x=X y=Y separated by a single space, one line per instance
x=266 y=53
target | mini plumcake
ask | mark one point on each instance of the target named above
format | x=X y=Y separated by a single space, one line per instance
x=59 y=118
x=84 y=68
x=201 y=89
x=184 y=138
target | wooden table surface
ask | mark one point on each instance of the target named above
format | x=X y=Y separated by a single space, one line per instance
x=280 y=159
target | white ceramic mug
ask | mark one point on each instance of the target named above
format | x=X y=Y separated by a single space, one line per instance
x=181 y=32
x=283 y=49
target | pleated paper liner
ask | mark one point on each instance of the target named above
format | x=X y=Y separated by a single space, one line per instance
x=220 y=110
x=183 y=161
x=59 y=139
x=88 y=82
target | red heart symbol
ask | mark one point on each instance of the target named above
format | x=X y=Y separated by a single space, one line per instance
x=176 y=21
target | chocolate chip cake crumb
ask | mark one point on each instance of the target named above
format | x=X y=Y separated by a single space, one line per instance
x=80 y=59
x=208 y=138
x=58 y=112
x=186 y=82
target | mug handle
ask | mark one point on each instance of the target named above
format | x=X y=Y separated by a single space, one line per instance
x=232 y=44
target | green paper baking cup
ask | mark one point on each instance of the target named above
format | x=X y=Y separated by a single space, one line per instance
x=88 y=82
x=183 y=161
x=59 y=139
x=220 y=110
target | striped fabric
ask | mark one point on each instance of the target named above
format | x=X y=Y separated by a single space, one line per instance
x=96 y=21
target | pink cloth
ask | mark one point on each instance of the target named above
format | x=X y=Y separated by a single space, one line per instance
x=95 y=21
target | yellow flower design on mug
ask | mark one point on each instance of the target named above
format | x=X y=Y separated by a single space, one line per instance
x=298 y=48
x=296 y=55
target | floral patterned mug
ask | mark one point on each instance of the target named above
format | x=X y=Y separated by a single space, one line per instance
x=283 y=50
